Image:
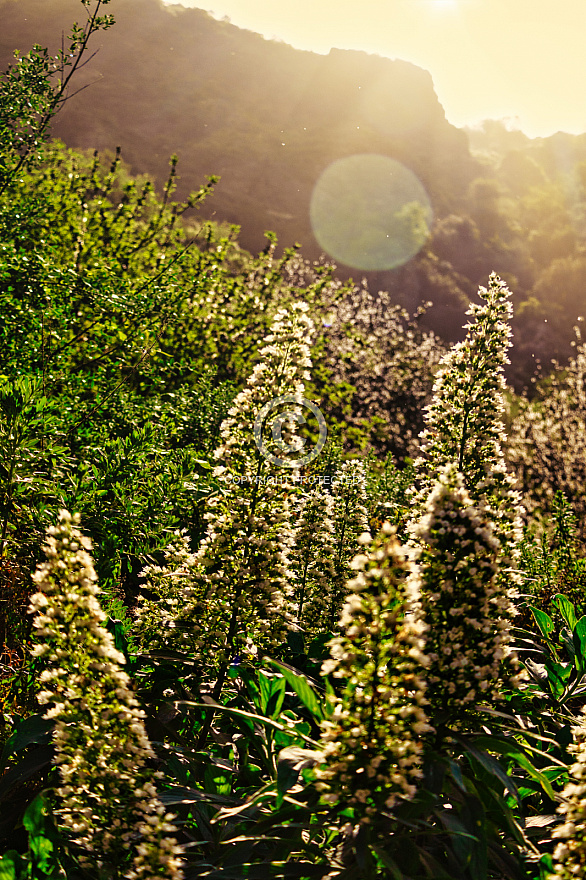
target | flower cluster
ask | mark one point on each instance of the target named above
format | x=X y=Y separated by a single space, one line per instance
x=350 y=495
x=108 y=801
x=312 y=559
x=464 y=421
x=388 y=360
x=283 y=368
x=350 y=519
x=468 y=607
x=371 y=741
x=243 y=578
x=570 y=853
x=239 y=595
x=167 y=588
x=547 y=448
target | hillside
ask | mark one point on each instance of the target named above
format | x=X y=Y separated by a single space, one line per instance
x=270 y=119
x=264 y=116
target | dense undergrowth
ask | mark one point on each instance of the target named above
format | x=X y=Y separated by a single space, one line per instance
x=237 y=658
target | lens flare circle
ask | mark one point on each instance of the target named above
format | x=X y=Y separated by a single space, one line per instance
x=370 y=212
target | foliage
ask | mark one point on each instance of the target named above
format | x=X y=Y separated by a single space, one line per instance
x=551 y=557
x=352 y=665
x=33 y=90
x=546 y=446
x=500 y=199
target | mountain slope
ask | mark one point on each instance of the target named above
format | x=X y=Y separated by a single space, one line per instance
x=266 y=117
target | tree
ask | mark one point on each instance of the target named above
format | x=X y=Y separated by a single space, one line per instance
x=34 y=89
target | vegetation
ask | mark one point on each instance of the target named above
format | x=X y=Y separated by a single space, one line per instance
x=270 y=120
x=232 y=647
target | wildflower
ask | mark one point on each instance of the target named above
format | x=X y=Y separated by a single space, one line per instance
x=350 y=518
x=464 y=421
x=236 y=590
x=466 y=527
x=167 y=588
x=388 y=362
x=547 y=447
x=107 y=798
x=468 y=605
x=371 y=740
x=312 y=559
x=569 y=856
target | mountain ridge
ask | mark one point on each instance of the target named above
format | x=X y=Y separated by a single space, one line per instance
x=271 y=119
x=216 y=84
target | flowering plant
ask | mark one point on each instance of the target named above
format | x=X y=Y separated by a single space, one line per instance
x=372 y=739
x=107 y=798
x=468 y=610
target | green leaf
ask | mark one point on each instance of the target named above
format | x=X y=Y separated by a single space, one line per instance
x=217 y=780
x=179 y=795
x=116 y=628
x=34 y=729
x=513 y=751
x=42 y=838
x=300 y=684
x=272 y=691
x=544 y=621
x=558 y=675
x=34 y=817
x=249 y=716
x=43 y=853
x=10 y=865
x=579 y=639
x=475 y=820
x=566 y=638
x=287 y=776
x=493 y=767
x=566 y=609
x=457 y=776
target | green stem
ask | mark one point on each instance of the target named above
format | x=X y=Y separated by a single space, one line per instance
x=233 y=625
x=9 y=493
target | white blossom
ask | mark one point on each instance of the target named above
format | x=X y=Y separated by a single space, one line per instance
x=236 y=590
x=312 y=558
x=570 y=853
x=376 y=723
x=101 y=746
x=468 y=607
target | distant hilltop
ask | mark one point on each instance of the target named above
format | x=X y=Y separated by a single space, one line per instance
x=266 y=117
x=348 y=154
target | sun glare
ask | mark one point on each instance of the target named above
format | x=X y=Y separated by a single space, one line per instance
x=443 y=4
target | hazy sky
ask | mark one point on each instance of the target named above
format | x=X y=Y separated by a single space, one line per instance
x=518 y=59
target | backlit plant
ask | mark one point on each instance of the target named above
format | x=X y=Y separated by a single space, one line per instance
x=372 y=738
x=107 y=798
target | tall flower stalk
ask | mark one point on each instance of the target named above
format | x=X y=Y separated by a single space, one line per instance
x=235 y=595
x=372 y=740
x=464 y=421
x=350 y=518
x=107 y=798
x=468 y=608
x=466 y=526
x=247 y=593
x=569 y=856
x=168 y=587
x=312 y=560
